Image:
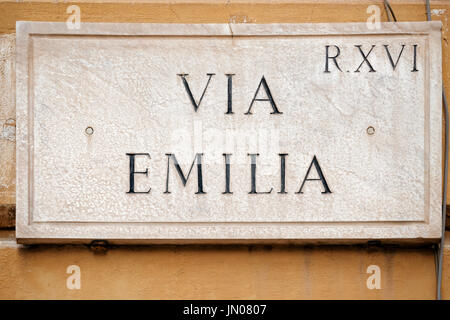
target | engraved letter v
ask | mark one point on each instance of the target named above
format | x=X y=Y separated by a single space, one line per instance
x=188 y=90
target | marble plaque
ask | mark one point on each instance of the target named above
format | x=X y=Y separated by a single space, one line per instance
x=146 y=132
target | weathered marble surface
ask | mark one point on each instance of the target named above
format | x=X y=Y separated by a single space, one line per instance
x=121 y=79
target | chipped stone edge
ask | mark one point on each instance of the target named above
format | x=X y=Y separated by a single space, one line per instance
x=223 y=29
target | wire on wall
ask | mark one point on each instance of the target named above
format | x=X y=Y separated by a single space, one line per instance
x=444 y=198
x=439 y=260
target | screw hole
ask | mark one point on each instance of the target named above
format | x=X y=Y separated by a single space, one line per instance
x=89 y=131
x=370 y=130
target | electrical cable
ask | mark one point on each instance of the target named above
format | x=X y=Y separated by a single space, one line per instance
x=389 y=11
x=444 y=201
x=444 y=197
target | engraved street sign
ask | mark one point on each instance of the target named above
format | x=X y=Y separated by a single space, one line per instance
x=146 y=132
